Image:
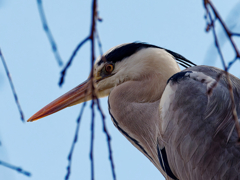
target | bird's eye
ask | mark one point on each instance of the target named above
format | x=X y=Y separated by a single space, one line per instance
x=109 y=68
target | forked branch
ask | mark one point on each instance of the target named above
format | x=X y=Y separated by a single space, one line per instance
x=209 y=7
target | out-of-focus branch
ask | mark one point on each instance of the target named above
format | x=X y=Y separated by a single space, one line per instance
x=208 y=5
x=99 y=43
x=74 y=142
x=95 y=101
x=94 y=97
x=235 y=34
x=108 y=140
x=92 y=38
x=212 y=25
x=228 y=32
x=18 y=169
x=63 y=72
x=12 y=86
x=48 y=33
x=91 y=141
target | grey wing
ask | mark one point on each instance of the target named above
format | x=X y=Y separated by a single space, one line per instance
x=195 y=126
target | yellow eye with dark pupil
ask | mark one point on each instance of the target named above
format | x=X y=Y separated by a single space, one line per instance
x=109 y=68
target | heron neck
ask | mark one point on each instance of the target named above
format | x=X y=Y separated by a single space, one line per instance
x=134 y=106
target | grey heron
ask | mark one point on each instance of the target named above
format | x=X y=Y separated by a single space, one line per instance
x=164 y=112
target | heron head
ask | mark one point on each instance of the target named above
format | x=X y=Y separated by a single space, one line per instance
x=132 y=61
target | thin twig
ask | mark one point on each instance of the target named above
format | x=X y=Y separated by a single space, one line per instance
x=232 y=62
x=108 y=139
x=209 y=92
x=100 y=46
x=99 y=43
x=95 y=101
x=63 y=72
x=94 y=32
x=12 y=86
x=235 y=34
x=94 y=13
x=234 y=112
x=74 y=142
x=48 y=33
x=92 y=140
x=18 y=169
x=228 y=32
x=211 y=24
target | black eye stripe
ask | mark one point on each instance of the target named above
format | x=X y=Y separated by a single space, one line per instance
x=122 y=52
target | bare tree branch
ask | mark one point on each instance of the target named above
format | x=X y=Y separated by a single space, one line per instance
x=63 y=72
x=211 y=25
x=228 y=32
x=99 y=43
x=108 y=140
x=94 y=13
x=95 y=101
x=18 y=169
x=48 y=33
x=74 y=142
x=91 y=141
x=235 y=34
x=12 y=86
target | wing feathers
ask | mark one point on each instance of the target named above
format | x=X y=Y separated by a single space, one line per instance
x=197 y=125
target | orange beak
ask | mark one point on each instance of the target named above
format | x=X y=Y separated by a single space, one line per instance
x=77 y=95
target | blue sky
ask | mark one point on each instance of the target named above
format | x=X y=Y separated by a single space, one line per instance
x=42 y=147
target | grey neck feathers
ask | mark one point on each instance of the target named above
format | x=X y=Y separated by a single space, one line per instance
x=134 y=105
